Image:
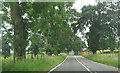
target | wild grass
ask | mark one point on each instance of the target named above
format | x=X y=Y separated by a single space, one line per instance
x=108 y=59
x=42 y=64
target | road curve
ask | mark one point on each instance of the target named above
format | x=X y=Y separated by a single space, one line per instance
x=79 y=64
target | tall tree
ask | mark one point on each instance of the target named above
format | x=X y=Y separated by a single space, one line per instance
x=19 y=29
x=102 y=22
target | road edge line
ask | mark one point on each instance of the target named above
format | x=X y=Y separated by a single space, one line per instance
x=83 y=65
x=57 y=66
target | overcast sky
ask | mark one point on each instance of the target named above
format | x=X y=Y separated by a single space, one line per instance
x=78 y=5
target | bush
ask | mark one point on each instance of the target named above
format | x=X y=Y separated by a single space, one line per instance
x=55 y=52
x=80 y=53
x=62 y=54
x=49 y=53
x=116 y=51
x=107 y=52
x=53 y=55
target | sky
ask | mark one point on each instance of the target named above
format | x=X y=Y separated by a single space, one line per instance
x=78 y=5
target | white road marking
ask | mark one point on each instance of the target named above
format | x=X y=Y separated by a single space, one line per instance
x=57 y=65
x=83 y=65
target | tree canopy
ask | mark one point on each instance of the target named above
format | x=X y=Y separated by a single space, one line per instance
x=51 y=27
x=102 y=20
x=40 y=25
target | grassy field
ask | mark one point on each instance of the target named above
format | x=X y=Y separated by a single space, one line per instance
x=41 y=64
x=108 y=59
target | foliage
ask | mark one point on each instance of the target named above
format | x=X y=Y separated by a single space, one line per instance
x=5 y=46
x=102 y=22
x=41 y=25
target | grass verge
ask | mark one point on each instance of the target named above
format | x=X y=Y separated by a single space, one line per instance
x=41 y=64
x=108 y=59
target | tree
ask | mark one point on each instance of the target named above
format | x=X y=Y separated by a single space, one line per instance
x=46 y=25
x=36 y=43
x=52 y=23
x=5 y=46
x=19 y=30
x=102 y=22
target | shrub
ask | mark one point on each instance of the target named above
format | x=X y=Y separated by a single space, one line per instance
x=62 y=54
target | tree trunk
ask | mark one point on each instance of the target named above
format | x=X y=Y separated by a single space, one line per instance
x=24 y=56
x=4 y=57
x=14 y=57
x=100 y=52
x=32 y=56
x=46 y=39
x=94 y=51
x=37 y=57
x=19 y=29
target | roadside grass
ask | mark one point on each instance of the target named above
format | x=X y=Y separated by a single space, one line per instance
x=42 y=64
x=108 y=59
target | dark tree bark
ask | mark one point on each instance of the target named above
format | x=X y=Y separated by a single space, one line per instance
x=19 y=29
x=14 y=57
x=32 y=56
x=94 y=51
x=37 y=57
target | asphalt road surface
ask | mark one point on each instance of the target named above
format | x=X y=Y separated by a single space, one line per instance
x=79 y=64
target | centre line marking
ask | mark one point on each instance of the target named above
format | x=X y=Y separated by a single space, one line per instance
x=83 y=65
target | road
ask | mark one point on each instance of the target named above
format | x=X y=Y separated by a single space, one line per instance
x=79 y=64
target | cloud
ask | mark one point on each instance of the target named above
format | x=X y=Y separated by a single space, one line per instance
x=80 y=3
